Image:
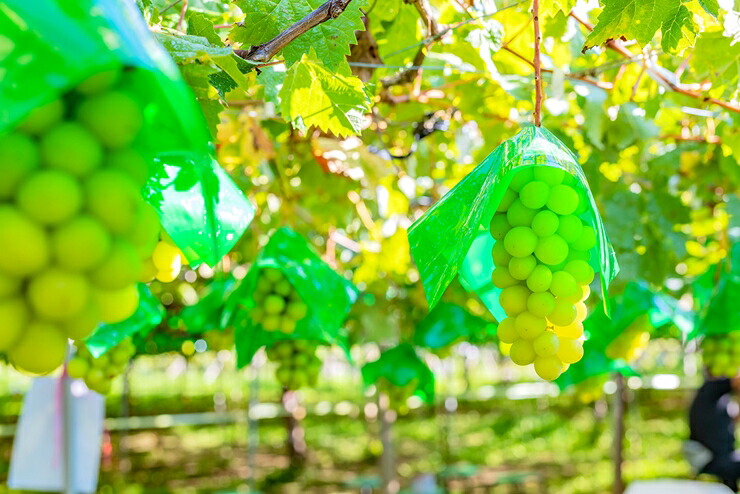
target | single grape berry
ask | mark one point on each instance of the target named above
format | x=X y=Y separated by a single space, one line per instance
x=551 y=250
x=506 y=201
x=546 y=223
x=521 y=267
x=535 y=194
x=529 y=326
x=499 y=226
x=522 y=352
x=514 y=299
x=520 y=241
x=539 y=279
x=506 y=330
x=519 y=214
x=563 y=200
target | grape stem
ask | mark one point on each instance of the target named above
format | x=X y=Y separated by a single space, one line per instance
x=264 y=52
x=537 y=64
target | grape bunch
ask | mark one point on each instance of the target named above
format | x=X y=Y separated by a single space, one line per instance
x=98 y=373
x=298 y=365
x=397 y=395
x=279 y=307
x=74 y=228
x=542 y=254
x=632 y=342
x=721 y=354
x=165 y=262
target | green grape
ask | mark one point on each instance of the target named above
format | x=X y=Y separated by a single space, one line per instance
x=521 y=267
x=297 y=310
x=541 y=304
x=100 y=372
x=519 y=214
x=56 y=294
x=298 y=364
x=520 y=241
x=274 y=304
x=70 y=148
x=9 y=285
x=19 y=156
x=578 y=255
x=549 y=174
x=534 y=195
x=113 y=198
x=564 y=285
x=82 y=324
x=14 y=315
x=95 y=113
x=263 y=285
x=80 y=244
x=24 y=248
x=563 y=200
x=40 y=350
x=287 y=325
x=506 y=330
x=283 y=288
x=546 y=344
x=499 y=226
x=529 y=326
x=130 y=162
x=587 y=240
x=42 y=118
x=77 y=368
x=98 y=82
x=581 y=271
x=272 y=275
x=539 y=279
x=506 y=201
x=271 y=322
x=583 y=202
x=145 y=233
x=563 y=314
x=513 y=299
x=570 y=228
x=545 y=223
x=551 y=250
x=119 y=269
x=572 y=331
x=501 y=278
x=116 y=305
x=522 y=352
x=548 y=368
x=570 y=351
x=521 y=177
x=50 y=197
x=500 y=256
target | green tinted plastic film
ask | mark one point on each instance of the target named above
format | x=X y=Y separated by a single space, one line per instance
x=400 y=365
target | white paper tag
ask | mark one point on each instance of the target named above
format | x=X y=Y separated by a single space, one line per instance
x=37 y=462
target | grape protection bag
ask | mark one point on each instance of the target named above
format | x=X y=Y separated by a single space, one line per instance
x=594 y=363
x=51 y=47
x=452 y=237
x=288 y=273
x=401 y=366
x=446 y=324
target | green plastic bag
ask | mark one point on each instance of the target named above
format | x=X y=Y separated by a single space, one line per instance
x=328 y=295
x=400 y=365
x=718 y=312
x=636 y=300
x=452 y=237
x=147 y=316
x=50 y=46
x=207 y=313
x=594 y=363
x=446 y=324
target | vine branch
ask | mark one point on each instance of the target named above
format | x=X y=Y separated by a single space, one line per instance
x=537 y=64
x=330 y=9
x=657 y=76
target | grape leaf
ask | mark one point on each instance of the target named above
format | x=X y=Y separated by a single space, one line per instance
x=199 y=25
x=187 y=48
x=398 y=38
x=550 y=8
x=711 y=7
x=716 y=58
x=265 y=19
x=640 y=20
x=312 y=94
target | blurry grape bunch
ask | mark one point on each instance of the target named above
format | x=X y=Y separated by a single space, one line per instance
x=165 y=263
x=397 y=395
x=218 y=340
x=542 y=268
x=721 y=354
x=278 y=305
x=99 y=372
x=76 y=230
x=298 y=364
x=632 y=342
x=590 y=389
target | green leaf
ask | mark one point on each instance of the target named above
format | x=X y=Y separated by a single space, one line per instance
x=199 y=25
x=641 y=19
x=398 y=38
x=716 y=58
x=271 y=80
x=679 y=30
x=710 y=6
x=314 y=95
x=550 y=8
x=265 y=19
x=187 y=48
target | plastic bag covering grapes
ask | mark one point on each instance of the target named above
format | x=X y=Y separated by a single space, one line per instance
x=445 y=324
x=452 y=237
x=205 y=315
x=49 y=46
x=594 y=363
x=328 y=296
x=148 y=315
x=400 y=365
x=636 y=300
